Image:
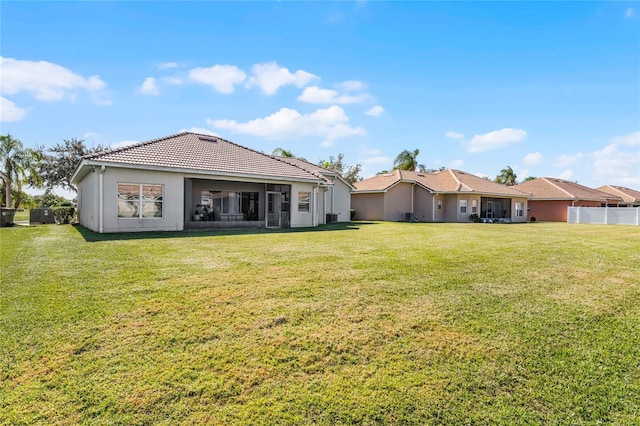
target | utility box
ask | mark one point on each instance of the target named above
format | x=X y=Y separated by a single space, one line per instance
x=7 y=217
x=332 y=217
x=43 y=215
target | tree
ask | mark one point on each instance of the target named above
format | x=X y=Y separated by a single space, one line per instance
x=19 y=167
x=48 y=200
x=408 y=160
x=350 y=173
x=506 y=177
x=281 y=152
x=528 y=178
x=60 y=162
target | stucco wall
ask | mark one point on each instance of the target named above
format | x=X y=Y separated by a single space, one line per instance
x=172 y=206
x=397 y=202
x=368 y=206
x=341 y=201
x=554 y=210
x=88 y=201
x=312 y=218
x=422 y=205
x=522 y=218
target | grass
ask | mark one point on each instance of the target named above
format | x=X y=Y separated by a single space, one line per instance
x=390 y=323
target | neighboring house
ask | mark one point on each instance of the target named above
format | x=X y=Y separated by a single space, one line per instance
x=337 y=197
x=194 y=181
x=445 y=196
x=550 y=198
x=630 y=197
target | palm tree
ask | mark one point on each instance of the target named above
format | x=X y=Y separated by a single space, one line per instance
x=408 y=160
x=281 y=152
x=19 y=166
x=506 y=177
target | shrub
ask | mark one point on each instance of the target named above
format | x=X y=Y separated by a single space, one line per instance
x=352 y=213
x=533 y=219
x=63 y=214
x=475 y=218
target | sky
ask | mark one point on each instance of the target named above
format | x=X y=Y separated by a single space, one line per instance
x=547 y=88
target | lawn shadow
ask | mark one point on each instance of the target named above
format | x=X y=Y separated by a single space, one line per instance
x=91 y=236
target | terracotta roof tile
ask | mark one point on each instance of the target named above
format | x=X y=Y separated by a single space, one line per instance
x=628 y=195
x=202 y=152
x=442 y=181
x=546 y=188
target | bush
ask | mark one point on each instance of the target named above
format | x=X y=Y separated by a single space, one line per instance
x=63 y=214
x=352 y=213
x=475 y=218
x=533 y=219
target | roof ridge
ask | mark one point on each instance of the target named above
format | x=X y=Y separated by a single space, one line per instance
x=460 y=184
x=281 y=159
x=561 y=189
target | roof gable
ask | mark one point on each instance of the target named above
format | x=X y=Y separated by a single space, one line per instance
x=192 y=151
x=628 y=195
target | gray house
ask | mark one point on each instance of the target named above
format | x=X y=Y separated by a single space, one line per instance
x=194 y=181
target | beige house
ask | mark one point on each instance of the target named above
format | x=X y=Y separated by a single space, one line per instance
x=194 y=181
x=630 y=197
x=445 y=196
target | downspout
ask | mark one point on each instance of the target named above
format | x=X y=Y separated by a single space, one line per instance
x=412 y=192
x=433 y=207
x=101 y=200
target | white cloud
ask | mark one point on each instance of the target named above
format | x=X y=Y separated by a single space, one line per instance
x=172 y=80
x=221 y=78
x=48 y=82
x=376 y=160
x=149 y=87
x=565 y=160
x=122 y=144
x=10 y=111
x=200 y=130
x=454 y=135
x=496 y=139
x=613 y=165
x=316 y=95
x=374 y=111
x=167 y=65
x=90 y=135
x=352 y=86
x=632 y=139
x=330 y=123
x=630 y=13
x=566 y=175
x=532 y=158
x=269 y=77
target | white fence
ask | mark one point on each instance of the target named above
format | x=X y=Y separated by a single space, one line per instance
x=604 y=215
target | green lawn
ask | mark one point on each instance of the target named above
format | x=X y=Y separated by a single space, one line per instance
x=391 y=323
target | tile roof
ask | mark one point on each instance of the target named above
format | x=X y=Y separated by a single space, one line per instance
x=446 y=181
x=628 y=195
x=194 y=151
x=546 y=188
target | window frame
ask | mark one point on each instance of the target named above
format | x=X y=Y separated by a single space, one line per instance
x=139 y=200
x=519 y=211
x=474 y=206
x=304 y=206
x=463 y=206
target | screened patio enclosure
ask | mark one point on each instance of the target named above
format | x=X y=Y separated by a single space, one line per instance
x=229 y=204
x=495 y=208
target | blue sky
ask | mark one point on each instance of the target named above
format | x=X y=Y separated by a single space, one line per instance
x=548 y=88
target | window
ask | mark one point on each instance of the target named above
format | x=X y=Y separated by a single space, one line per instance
x=463 y=206
x=304 y=201
x=138 y=201
x=439 y=204
x=519 y=210
x=474 y=206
